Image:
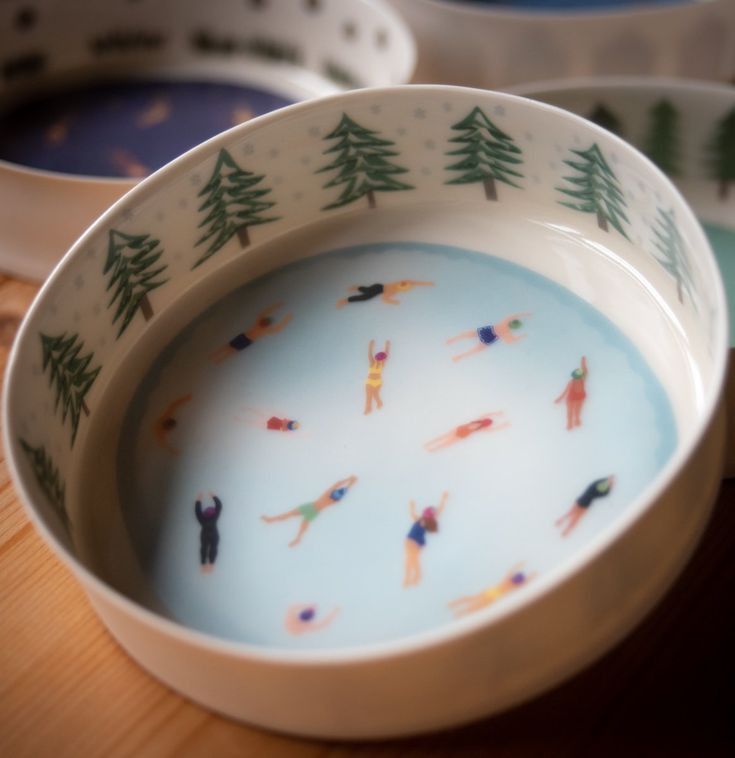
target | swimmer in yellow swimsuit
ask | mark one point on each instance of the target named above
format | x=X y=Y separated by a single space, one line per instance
x=514 y=579
x=374 y=381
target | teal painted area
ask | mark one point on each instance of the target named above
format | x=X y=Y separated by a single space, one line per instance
x=723 y=244
x=506 y=487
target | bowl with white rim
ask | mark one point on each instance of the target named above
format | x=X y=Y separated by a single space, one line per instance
x=94 y=99
x=380 y=413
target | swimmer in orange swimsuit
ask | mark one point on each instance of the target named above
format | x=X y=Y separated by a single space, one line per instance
x=301 y=619
x=575 y=395
x=484 y=423
x=386 y=292
x=514 y=579
x=488 y=335
x=309 y=511
x=374 y=381
x=263 y=326
x=167 y=422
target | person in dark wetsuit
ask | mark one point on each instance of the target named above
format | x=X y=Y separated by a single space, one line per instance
x=263 y=326
x=598 y=488
x=386 y=292
x=416 y=538
x=209 y=536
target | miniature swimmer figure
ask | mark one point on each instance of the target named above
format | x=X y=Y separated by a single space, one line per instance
x=374 y=381
x=209 y=535
x=309 y=511
x=486 y=423
x=263 y=327
x=271 y=422
x=416 y=538
x=387 y=292
x=514 y=579
x=301 y=619
x=503 y=331
x=598 y=488
x=167 y=422
x=575 y=395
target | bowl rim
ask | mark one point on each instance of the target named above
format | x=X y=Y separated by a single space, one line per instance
x=446 y=632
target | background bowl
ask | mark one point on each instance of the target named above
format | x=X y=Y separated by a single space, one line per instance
x=500 y=46
x=685 y=127
x=277 y=51
x=377 y=172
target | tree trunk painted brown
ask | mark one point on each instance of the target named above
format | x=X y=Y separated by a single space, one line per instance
x=85 y=408
x=601 y=221
x=724 y=189
x=491 y=191
x=371 y=199
x=243 y=236
x=145 y=308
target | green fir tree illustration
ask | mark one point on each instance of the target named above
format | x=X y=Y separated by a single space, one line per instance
x=604 y=117
x=661 y=142
x=673 y=256
x=489 y=155
x=69 y=374
x=722 y=154
x=596 y=189
x=234 y=202
x=132 y=265
x=362 y=165
x=48 y=478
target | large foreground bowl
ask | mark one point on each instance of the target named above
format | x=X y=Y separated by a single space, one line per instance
x=483 y=247
x=279 y=51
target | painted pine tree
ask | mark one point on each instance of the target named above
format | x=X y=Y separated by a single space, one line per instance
x=673 y=256
x=722 y=154
x=234 y=202
x=48 y=478
x=661 y=142
x=489 y=155
x=69 y=374
x=604 y=117
x=596 y=189
x=132 y=265
x=362 y=165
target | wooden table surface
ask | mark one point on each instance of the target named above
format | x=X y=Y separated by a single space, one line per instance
x=66 y=689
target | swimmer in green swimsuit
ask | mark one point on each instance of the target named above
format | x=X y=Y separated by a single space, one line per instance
x=309 y=511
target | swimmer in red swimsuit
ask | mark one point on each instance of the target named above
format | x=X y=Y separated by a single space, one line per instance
x=167 y=422
x=490 y=334
x=268 y=421
x=575 y=395
x=263 y=326
x=486 y=423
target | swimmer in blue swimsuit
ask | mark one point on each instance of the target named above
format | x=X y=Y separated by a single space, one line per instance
x=598 y=488
x=416 y=538
x=263 y=326
x=308 y=512
x=503 y=331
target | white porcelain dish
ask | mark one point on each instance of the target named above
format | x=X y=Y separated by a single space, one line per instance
x=499 y=46
x=292 y=50
x=495 y=328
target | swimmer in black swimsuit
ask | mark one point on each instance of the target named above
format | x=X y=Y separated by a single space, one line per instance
x=598 y=488
x=209 y=536
x=263 y=326
x=387 y=292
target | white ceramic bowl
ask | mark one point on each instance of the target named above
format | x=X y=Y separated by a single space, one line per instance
x=480 y=45
x=295 y=50
x=127 y=399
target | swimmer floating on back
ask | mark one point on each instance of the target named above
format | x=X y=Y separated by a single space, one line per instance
x=374 y=381
x=167 y=422
x=416 y=538
x=514 y=579
x=263 y=327
x=598 y=488
x=301 y=619
x=309 y=511
x=271 y=422
x=387 y=292
x=484 y=423
x=503 y=331
x=575 y=395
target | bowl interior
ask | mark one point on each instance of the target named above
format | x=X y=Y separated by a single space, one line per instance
x=367 y=365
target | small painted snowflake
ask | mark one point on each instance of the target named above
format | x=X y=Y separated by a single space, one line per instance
x=306 y=160
x=298 y=196
x=375 y=109
x=128 y=214
x=426 y=171
x=528 y=136
x=430 y=144
x=91 y=253
x=183 y=203
x=419 y=113
x=79 y=281
x=274 y=152
x=400 y=131
x=315 y=131
x=277 y=180
x=195 y=180
x=552 y=165
x=447 y=107
x=499 y=110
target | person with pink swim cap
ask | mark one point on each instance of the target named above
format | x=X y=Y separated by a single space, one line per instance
x=374 y=381
x=416 y=538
